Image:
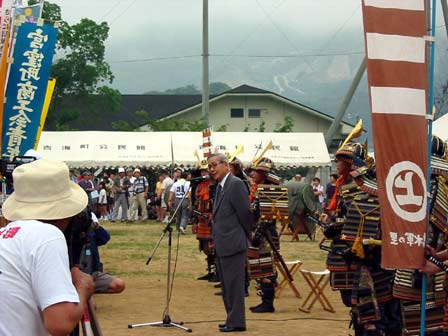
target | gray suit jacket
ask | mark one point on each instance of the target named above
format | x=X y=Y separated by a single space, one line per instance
x=232 y=218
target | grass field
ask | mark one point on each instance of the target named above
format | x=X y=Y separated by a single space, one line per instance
x=193 y=301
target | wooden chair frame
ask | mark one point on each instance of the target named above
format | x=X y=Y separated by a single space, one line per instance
x=293 y=267
x=317 y=281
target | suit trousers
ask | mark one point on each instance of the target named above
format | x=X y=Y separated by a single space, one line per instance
x=232 y=274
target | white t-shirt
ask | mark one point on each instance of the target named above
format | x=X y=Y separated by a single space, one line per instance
x=131 y=187
x=166 y=185
x=34 y=275
x=180 y=187
x=320 y=189
x=103 y=197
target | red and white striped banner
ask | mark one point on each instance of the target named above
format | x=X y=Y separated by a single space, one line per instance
x=398 y=83
x=207 y=142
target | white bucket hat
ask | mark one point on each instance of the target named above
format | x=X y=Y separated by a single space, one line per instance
x=43 y=190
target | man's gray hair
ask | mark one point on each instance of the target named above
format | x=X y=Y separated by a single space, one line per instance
x=222 y=157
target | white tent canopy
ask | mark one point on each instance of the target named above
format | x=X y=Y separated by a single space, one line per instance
x=149 y=149
x=440 y=127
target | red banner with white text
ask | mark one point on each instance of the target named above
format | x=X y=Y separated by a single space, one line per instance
x=398 y=83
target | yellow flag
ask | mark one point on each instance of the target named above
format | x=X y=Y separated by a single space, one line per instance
x=48 y=95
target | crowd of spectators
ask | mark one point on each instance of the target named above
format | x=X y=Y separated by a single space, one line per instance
x=131 y=196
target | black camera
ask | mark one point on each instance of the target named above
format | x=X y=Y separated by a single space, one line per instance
x=9 y=166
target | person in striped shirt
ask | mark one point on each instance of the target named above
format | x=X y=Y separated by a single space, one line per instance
x=139 y=195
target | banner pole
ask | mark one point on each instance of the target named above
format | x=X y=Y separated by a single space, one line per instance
x=3 y=79
x=47 y=101
x=431 y=115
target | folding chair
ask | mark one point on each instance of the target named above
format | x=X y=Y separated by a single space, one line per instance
x=317 y=281
x=286 y=228
x=293 y=267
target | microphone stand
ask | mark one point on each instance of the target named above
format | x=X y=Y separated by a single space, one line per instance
x=166 y=319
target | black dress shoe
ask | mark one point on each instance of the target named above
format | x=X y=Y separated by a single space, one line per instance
x=221 y=325
x=232 y=329
x=205 y=277
x=255 y=307
x=213 y=278
x=219 y=293
x=263 y=308
x=217 y=285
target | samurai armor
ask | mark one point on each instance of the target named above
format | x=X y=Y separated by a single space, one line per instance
x=380 y=282
x=362 y=218
x=407 y=286
x=364 y=298
x=439 y=208
x=445 y=320
x=204 y=230
x=411 y=317
x=260 y=263
x=439 y=165
x=338 y=258
x=349 y=192
x=273 y=201
x=340 y=280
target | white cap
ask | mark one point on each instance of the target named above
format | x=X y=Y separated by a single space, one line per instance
x=33 y=153
x=121 y=170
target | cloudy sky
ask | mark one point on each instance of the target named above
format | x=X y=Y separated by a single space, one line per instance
x=155 y=44
x=151 y=30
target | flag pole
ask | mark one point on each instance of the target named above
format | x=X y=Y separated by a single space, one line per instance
x=430 y=115
x=172 y=156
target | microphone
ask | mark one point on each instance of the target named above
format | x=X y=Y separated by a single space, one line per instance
x=200 y=178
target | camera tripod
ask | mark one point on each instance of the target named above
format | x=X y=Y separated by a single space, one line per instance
x=166 y=319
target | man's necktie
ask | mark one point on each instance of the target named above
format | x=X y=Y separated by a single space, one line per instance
x=218 y=194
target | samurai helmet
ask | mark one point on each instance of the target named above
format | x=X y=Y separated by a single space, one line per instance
x=203 y=164
x=354 y=153
x=264 y=164
x=439 y=147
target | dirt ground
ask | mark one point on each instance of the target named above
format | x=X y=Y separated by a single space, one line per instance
x=193 y=302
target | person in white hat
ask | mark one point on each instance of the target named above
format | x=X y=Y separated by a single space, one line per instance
x=139 y=195
x=39 y=294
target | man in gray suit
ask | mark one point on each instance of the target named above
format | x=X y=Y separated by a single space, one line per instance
x=231 y=228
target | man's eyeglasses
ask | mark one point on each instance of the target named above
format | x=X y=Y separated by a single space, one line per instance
x=213 y=164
